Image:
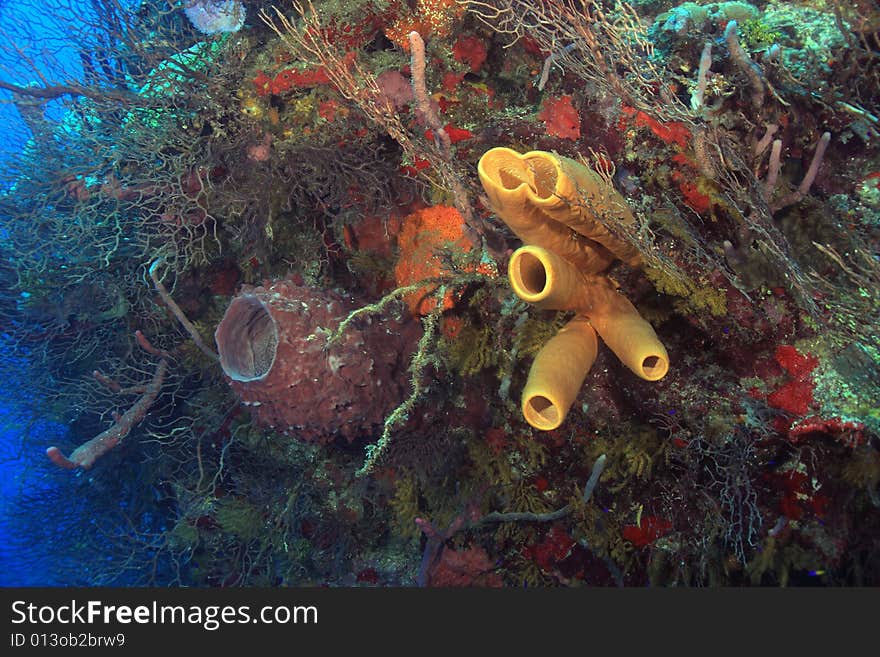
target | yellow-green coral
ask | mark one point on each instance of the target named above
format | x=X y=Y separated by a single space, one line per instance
x=862 y=470
x=184 y=534
x=534 y=333
x=692 y=297
x=405 y=505
x=473 y=350
x=780 y=561
x=757 y=35
x=489 y=465
x=631 y=455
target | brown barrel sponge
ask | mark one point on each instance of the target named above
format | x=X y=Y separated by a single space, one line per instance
x=272 y=343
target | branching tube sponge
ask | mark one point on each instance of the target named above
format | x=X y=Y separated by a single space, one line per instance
x=559 y=208
x=542 y=278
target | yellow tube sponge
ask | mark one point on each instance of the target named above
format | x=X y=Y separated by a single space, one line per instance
x=558 y=373
x=559 y=208
x=633 y=340
x=559 y=204
x=542 y=278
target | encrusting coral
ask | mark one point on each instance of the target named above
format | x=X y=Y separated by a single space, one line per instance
x=557 y=206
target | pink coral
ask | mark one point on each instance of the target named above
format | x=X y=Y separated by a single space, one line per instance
x=396 y=88
x=561 y=118
x=262 y=151
x=466 y=567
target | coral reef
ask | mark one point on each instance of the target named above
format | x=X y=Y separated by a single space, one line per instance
x=675 y=385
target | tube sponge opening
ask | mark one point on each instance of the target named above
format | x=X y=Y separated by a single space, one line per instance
x=542 y=278
x=654 y=368
x=558 y=373
x=509 y=170
x=528 y=274
x=634 y=341
x=542 y=413
x=247 y=340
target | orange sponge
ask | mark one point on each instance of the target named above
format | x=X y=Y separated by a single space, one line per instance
x=423 y=234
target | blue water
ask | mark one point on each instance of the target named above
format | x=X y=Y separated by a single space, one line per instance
x=62 y=528
x=51 y=521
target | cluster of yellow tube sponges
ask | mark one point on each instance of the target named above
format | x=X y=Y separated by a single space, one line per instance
x=554 y=204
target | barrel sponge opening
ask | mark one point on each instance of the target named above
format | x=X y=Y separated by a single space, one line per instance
x=247 y=339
